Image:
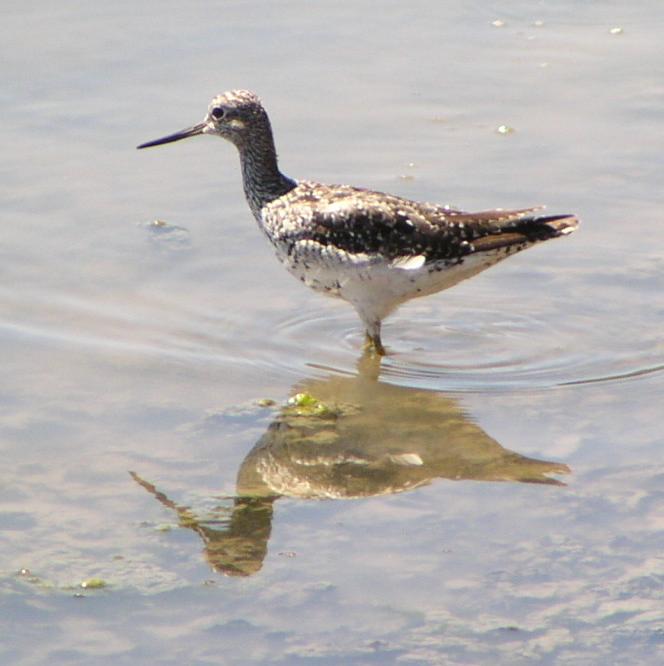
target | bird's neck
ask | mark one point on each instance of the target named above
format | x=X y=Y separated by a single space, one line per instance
x=262 y=180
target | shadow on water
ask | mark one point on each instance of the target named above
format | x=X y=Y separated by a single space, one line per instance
x=348 y=438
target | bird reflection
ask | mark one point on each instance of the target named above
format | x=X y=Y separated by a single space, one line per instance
x=349 y=437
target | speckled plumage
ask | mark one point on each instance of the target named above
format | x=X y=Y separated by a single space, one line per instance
x=372 y=249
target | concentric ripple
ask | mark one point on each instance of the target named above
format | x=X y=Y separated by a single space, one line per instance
x=444 y=346
x=478 y=350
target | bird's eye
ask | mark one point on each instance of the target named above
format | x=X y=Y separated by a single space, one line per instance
x=218 y=112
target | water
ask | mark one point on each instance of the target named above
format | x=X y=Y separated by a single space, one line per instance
x=502 y=499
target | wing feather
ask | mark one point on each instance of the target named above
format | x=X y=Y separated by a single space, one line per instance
x=360 y=221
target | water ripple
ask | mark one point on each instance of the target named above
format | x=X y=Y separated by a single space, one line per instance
x=461 y=348
x=481 y=350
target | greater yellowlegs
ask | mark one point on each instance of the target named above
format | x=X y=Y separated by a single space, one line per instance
x=374 y=250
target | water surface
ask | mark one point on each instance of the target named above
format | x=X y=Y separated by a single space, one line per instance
x=491 y=493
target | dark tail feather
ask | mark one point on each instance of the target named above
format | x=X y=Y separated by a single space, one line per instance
x=524 y=231
x=544 y=227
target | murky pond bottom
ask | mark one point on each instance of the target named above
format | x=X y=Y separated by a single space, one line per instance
x=198 y=464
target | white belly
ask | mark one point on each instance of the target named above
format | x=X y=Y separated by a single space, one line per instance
x=374 y=285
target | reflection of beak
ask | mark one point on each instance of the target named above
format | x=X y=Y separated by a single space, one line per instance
x=182 y=134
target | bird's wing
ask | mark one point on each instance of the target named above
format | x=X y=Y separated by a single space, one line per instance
x=363 y=222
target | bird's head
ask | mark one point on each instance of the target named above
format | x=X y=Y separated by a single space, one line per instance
x=232 y=115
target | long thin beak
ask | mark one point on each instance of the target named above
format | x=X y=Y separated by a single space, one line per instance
x=182 y=134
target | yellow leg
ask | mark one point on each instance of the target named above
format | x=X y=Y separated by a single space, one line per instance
x=373 y=344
